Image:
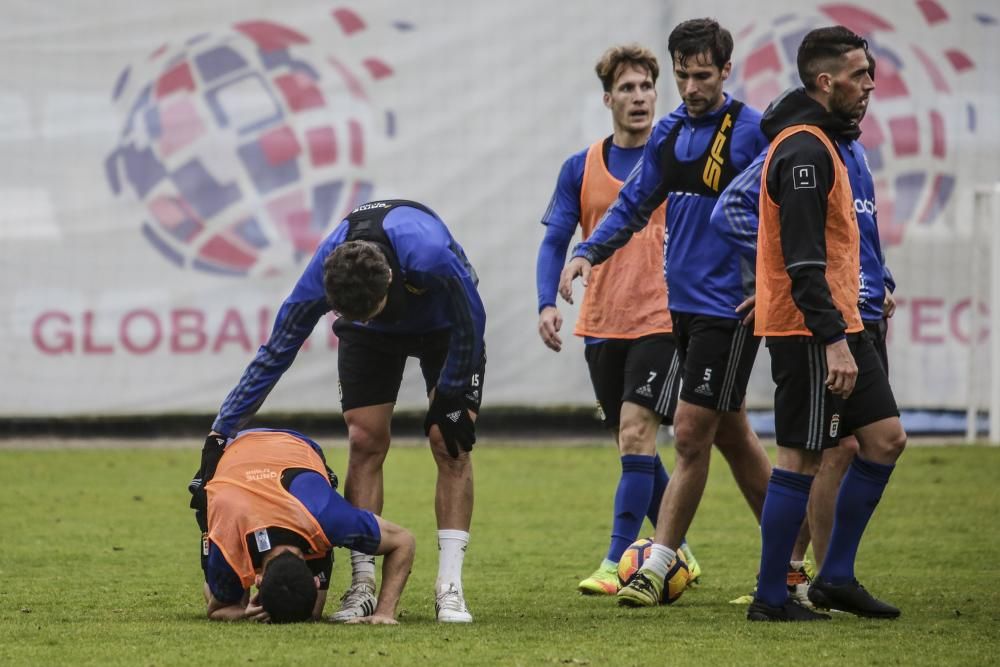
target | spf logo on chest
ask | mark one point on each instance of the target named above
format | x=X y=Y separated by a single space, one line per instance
x=713 y=166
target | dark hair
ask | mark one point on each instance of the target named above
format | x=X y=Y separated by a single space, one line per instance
x=356 y=278
x=287 y=589
x=630 y=55
x=821 y=50
x=698 y=36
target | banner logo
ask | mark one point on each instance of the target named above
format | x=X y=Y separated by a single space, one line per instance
x=244 y=147
x=915 y=115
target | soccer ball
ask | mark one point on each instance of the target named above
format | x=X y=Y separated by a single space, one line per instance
x=633 y=558
x=676 y=581
x=636 y=554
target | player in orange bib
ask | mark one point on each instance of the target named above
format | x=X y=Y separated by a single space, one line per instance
x=624 y=319
x=829 y=379
x=273 y=519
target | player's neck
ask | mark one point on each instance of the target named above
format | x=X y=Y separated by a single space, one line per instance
x=625 y=139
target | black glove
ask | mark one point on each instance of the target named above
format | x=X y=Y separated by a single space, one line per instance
x=211 y=452
x=450 y=413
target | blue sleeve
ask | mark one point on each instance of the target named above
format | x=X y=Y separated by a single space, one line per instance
x=221 y=579
x=295 y=320
x=561 y=219
x=344 y=524
x=736 y=214
x=641 y=194
x=431 y=257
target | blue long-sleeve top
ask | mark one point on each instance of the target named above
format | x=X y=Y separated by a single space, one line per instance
x=441 y=294
x=735 y=218
x=703 y=272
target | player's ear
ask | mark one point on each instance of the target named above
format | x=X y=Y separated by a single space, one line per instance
x=257 y=579
x=316 y=579
x=607 y=100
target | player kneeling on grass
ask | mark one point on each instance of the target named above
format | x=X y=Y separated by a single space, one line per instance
x=272 y=521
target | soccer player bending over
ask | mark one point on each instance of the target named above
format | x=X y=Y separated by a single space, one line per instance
x=273 y=520
x=403 y=287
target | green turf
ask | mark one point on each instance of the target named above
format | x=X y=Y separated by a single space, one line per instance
x=98 y=565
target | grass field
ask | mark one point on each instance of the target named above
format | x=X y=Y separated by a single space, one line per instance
x=98 y=565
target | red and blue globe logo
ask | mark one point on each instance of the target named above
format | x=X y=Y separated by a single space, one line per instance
x=915 y=117
x=245 y=146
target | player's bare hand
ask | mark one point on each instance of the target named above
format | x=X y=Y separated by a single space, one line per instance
x=549 y=323
x=254 y=611
x=749 y=307
x=889 y=304
x=842 y=371
x=373 y=620
x=578 y=266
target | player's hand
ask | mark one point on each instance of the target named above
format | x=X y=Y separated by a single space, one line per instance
x=842 y=371
x=889 y=305
x=211 y=452
x=449 y=414
x=578 y=266
x=549 y=324
x=254 y=611
x=749 y=306
x=373 y=620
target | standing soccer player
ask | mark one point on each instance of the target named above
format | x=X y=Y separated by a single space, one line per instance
x=829 y=379
x=624 y=319
x=736 y=218
x=403 y=287
x=690 y=157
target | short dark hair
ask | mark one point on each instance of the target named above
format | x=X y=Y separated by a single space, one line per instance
x=288 y=589
x=697 y=36
x=822 y=48
x=356 y=277
x=629 y=55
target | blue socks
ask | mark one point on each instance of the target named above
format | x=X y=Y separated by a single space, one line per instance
x=859 y=495
x=632 y=501
x=784 y=511
x=660 y=480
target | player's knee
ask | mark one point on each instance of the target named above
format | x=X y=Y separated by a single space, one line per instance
x=636 y=437
x=367 y=445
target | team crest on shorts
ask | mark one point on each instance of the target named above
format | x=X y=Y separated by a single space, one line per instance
x=834 y=425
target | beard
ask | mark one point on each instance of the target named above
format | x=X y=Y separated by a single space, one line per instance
x=844 y=108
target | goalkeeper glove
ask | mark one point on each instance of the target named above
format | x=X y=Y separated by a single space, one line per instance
x=448 y=411
x=211 y=452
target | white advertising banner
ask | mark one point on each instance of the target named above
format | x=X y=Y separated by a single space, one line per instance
x=169 y=168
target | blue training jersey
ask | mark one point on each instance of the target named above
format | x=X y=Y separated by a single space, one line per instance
x=702 y=270
x=436 y=272
x=342 y=523
x=735 y=218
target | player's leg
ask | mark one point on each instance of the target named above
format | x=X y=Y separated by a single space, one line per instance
x=454 y=491
x=837 y=460
x=803 y=411
x=872 y=415
x=745 y=456
x=370 y=367
x=606 y=364
x=709 y=381
x=823 y=498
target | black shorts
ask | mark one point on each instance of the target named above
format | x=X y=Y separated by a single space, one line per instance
x=371 y=363
x=717 y=355
x=806 y=415
x=878 y=329
x=644 y=371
